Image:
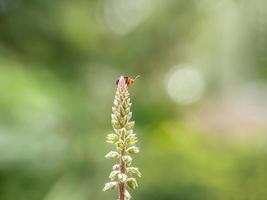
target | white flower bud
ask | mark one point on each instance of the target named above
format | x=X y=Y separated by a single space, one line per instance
x=134 y=171
x=129 y=125
x=123 y=120
x=123 y=132
x=130 y=135
x=131 y=139
x=132 y=183
x=127 y=195
x=129 y=116
x=115 y=102
x=127 y=159
x=128 y=100
x=112 y=138
x=116 y=175
x=116 y=167
x=113 y=175
x=114 y=118
x=133 y=150
x=110 y=186
x=122 y=110
x=122 y=177
x=112 y=155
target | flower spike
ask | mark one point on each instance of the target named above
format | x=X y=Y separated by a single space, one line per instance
x=124 y=139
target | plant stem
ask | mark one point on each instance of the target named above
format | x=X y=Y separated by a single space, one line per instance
x=122 y=169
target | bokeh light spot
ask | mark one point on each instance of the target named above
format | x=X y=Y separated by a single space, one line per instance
x=123 y=16
x=185 y=84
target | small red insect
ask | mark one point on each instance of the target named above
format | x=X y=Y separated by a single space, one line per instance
x=128 y=80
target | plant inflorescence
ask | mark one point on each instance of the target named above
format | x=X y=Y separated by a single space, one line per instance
x=123 y=174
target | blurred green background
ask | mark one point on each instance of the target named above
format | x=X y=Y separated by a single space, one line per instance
x=200 y=105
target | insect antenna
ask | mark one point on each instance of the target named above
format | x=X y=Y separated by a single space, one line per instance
x=136 y=77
